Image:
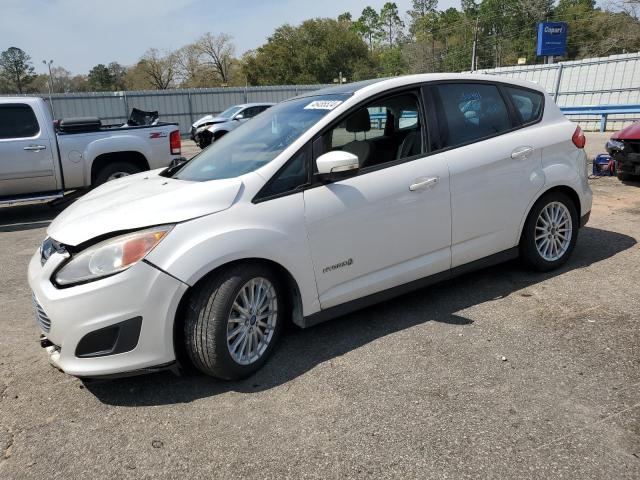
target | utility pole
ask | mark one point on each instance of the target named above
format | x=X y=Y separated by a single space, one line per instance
x=474 y=61
x=50 y=84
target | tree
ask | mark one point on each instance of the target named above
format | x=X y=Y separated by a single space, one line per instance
x=60 y=80
x=190 y=70
x=117 y=73
x=16 y=70
x=391 y=25
x=345 y=17
x=368 y=25
x=79 y=83
x=100 y=78
x=217 y=52
x=423 y=16
x=314 y=52
x=159 y=69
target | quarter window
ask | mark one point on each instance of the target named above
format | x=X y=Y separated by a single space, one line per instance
x=470 y=112
x=17 y=121
x=527 y=102
x=292 y=176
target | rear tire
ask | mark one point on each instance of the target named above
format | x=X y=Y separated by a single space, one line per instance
x=115 y=170
x=215 y=322
x=550 y=232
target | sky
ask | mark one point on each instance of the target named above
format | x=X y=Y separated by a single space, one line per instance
x=78 y=34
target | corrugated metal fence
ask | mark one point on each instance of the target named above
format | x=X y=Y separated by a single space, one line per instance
x=183 y=106
x=594 y=81
x=613 y=80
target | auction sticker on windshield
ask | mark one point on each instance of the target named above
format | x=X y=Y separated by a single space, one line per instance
x=323 y=105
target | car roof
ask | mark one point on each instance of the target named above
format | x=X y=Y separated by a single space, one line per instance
x=255 y=104
x=381 y=84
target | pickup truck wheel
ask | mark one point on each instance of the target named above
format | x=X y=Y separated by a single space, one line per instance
x=550 y=232
x=234 y=320
x=114 y=171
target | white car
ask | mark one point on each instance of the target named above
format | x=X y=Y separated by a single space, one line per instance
x=211 y=127
x=321 y=205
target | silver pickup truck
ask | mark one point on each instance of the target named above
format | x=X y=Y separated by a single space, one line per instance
x=39 y=161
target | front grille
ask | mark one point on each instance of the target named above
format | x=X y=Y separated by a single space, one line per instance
x=43 y=321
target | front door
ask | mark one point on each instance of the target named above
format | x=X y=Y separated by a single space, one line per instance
x=26 y=159
x=389 y=224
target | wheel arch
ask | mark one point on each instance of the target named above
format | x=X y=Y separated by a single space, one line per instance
x=566 y=189
x=219 y=133
x=130 y=156
x=284 y=275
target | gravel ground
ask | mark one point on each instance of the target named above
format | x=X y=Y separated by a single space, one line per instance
x=501 y=373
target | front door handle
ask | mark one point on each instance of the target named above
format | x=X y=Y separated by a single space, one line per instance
x=423 y=182
x=35 y=148
x=521 y=153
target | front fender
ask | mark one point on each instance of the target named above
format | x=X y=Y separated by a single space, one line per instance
x=221 y=127
x=273 y=231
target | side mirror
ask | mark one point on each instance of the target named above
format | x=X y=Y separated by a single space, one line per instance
x=337 y=164
x=239 y=116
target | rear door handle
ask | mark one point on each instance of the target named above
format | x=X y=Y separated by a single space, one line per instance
x=521 y=153
x=35 y=148
x=423 y=182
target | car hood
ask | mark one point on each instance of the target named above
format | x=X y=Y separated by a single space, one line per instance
x=632 y=132
x=209 y=119
x=139 y=201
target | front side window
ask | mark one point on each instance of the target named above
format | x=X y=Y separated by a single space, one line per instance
x=385 y=130
x=250 y=112
x=229 y=112
x=469 y=112
x=18 y=121
x=527 y=102
x=256 y=143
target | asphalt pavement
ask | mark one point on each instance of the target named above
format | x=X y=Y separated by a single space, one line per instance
x=503 y=373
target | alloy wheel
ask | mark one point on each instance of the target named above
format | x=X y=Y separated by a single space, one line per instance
x=553 y=231
x=252 y=321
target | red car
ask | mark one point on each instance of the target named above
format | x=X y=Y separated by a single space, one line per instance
x=624 y=148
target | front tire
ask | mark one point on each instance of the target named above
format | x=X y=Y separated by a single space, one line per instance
x=233 y=321
x=550 y=232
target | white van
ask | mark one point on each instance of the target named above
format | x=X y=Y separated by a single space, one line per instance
x=321 y=205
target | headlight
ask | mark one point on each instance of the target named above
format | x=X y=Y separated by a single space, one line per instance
x=615 y=145
x=111 y=256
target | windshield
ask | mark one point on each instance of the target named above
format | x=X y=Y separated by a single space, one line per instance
x=229 y=112
x=259 y=141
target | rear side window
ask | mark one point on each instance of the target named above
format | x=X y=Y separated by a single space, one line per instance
x=17 y=121
x=470 y=112
x=527 y=102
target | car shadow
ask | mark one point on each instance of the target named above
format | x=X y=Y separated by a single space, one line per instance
x=301 y=350
x=28 y=217
x=632 y=183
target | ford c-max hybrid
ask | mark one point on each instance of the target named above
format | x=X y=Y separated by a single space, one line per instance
x=320 y=205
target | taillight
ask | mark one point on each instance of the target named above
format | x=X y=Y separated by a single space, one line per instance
x=175 y=144
x=578 y=139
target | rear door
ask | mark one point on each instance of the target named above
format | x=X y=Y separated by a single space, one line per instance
x=26 y=157
x=494 y=164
